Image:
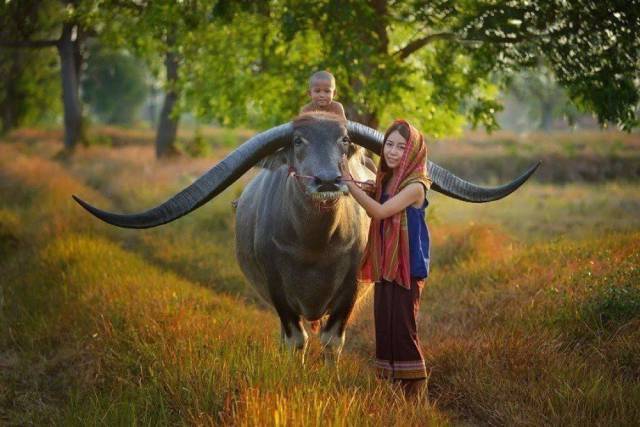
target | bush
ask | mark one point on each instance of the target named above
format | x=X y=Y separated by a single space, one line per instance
x=612 y=306
x=9 y=224
x=196 y=147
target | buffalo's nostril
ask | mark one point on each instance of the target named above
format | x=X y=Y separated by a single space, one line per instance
x=328 y=182
x=328 y=188
x=323 y=179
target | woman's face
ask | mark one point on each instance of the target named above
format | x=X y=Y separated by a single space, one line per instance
x=393 y=149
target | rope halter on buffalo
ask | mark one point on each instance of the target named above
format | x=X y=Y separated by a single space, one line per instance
x=323 y=201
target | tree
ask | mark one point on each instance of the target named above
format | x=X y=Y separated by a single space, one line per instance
x=29 y=87
x=153 y=30
x=434 y=62
x=592 y=47
x=24 y=22
x=114 y=85
x=166 y=28
x=27 y=74
x=541 y=96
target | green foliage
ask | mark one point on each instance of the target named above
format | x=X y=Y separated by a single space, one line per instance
x=197 y=146
x=30 y=83
x=239 y=72
x=435 y=63
x=438 y=63
x=543 y=98
x=591 y=47
x=30 y=93
x=115 y=85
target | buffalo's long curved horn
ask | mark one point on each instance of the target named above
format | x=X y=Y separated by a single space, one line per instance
x=207 y=186
x=444 y=181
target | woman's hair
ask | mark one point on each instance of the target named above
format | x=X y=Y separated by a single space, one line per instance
x=402 y=129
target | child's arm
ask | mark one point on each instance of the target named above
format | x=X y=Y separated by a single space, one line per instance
x=306 y=108
x=411 y=194
x=339 y=109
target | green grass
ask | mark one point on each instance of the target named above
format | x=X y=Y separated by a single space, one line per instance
x=531 y=315
x=523 y=337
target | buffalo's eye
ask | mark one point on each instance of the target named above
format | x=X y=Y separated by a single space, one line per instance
x=297 y=141
x=346 y=140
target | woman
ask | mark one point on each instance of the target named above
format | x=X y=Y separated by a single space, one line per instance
x=397 y=253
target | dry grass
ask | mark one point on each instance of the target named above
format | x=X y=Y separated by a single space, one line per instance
x=94 y=333
x=525 y=340
x=567 y=157
x=600 y=143
x=531 y=315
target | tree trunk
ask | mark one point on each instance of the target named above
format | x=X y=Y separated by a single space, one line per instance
x=378 y=38
x=168 y=126
x=70 y=80
x=546 y=116
x=9 y=113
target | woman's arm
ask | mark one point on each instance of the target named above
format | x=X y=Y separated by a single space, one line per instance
x=411 y=194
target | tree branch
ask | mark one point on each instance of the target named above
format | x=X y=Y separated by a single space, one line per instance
x=418 y=44
x=501 y=40
x=33 y=44
x=422 y=42
x=131 y=5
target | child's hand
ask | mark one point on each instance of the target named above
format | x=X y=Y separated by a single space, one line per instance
x=344 y=167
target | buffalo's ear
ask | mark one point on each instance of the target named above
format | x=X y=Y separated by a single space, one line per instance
x=275 y=160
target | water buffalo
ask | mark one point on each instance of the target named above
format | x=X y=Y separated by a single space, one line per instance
x=299 y=236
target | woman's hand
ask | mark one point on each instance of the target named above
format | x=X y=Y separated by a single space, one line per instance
x=369 y=187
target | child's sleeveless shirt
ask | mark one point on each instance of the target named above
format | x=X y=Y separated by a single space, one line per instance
x=419 y=239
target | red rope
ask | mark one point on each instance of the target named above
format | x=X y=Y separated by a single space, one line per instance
x=293 y=173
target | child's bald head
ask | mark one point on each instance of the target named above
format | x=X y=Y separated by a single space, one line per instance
x=322 y=76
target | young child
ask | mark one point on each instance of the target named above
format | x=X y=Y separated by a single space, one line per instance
x=322 y=89
x=397 y=253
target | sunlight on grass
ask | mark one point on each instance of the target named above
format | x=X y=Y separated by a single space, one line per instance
x=530 y=316
x=106 y=337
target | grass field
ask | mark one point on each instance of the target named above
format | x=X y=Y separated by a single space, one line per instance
x=531 y=315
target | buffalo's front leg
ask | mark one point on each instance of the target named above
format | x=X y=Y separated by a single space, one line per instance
x=333 y=332
x=292 y=332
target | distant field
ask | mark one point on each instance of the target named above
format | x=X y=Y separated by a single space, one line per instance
x=567 y=157
x=531 y=315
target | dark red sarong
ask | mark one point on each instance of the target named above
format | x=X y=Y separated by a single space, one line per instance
x=398 y=353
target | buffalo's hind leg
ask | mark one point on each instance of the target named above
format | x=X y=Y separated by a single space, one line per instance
x=333 y=332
